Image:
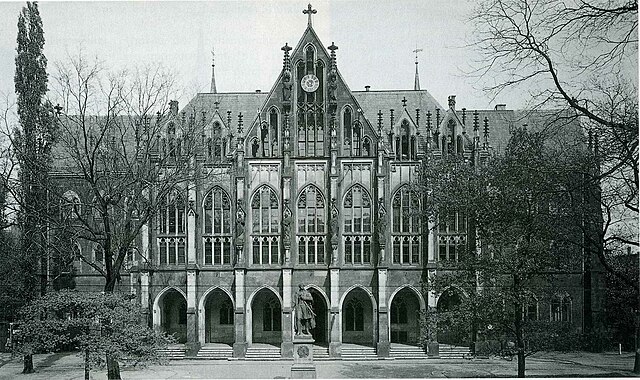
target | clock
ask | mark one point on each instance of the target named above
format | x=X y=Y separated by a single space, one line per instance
x=310 y=83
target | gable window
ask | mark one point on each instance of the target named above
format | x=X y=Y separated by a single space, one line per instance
x=172 y=228
x=269 y=134
x=217 y=227
x=405 y=227
x=357 y=226
x=405 y=144
x=265 y=227
x=310 y=105
x=311 y=226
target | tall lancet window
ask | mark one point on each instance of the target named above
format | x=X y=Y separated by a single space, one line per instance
x=216 y=234
x=265 y=226
x=269 y=134
x=172 y=231
x=405 y=229
x=311 y=226
x=357 y=226
x=215 y=148
x=405 y=142
x=310 y=105
x=347 y=121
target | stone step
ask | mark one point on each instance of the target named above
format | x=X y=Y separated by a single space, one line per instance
x=173 y=353
x=320 y=353
x=358 y=353
x=263 y=353
x=215 y=352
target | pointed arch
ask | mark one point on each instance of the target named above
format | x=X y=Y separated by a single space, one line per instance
x=249 y=307
x=373 y=323
x=202 y=309
x=403 y=318
x=158 y=299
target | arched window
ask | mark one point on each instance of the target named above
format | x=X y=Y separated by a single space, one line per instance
x=218 y=152
x=272 y=146
x=405 y=138
x=561 y=308
x=357 y=226
x=366 y=147
x=271 y=316
x=399 y=312
x=226 y=313
x=216 y=232
x=357 y=139
x=452 y=236
x=354 y=316
x=255 y=147
x=70 y=206
x=405 y=227
x=451 y=137
x=172 y=228
x=265 y=228
x=347 y=123
x=311 y=226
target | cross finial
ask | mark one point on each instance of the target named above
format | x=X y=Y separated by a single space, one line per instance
x=286 y=48
x=404 y=101
x=417 y=51
x=217 y=104
x=309 y=11
x=213 y=57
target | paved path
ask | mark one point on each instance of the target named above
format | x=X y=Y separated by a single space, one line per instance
x=69 y=366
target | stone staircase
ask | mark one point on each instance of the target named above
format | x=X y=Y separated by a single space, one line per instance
x=454 y=352
x=173 y=352
x=215 y=351
x=405 y=351
x=357 y=352
x=320 y=352
x=262 y=351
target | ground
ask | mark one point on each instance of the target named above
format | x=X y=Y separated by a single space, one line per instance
x=576 y=364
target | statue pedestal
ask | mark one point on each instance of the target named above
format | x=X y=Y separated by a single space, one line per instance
x=303 y=367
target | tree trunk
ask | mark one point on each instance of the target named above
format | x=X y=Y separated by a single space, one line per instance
x=86 y=364
x=521 y=365
x=636 y=364
x=113 y=368
x=27 y=364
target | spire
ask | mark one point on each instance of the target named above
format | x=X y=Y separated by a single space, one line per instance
x=213 y=73
x=416 y=84
x=309 y=11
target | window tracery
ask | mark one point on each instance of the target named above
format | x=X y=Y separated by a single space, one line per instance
x=217 y=227
x=357 y=226
x=406 y=235
x=265 y=226
x=311 y=226
x=172 y=228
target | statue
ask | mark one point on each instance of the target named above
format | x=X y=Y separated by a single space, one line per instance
x=305 y=317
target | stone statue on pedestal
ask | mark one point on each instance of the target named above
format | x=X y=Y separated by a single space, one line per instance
x=305 y=316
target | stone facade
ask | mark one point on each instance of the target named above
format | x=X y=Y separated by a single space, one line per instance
x=313 y=189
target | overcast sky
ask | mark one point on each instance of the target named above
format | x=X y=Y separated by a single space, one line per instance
x=375 y=40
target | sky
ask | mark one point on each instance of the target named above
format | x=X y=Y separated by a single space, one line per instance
x=376 y=40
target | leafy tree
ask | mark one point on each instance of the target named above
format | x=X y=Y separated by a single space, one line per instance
x=515 y=204
x=98 y=324
x=32 y=145
x=580 y=54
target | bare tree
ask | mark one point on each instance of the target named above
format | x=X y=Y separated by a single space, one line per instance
x=580 y=54
x=124 y=149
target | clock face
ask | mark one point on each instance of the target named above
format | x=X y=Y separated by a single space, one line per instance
x=310 y=83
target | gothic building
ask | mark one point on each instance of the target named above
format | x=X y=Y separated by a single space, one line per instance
x=312 y=189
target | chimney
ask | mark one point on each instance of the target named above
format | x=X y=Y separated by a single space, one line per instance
x=173 y=107
x=452 y=101
x=500 y=107
x=367 y=88
x=258 y=91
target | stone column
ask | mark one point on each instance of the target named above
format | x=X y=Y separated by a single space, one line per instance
x=144 y=296
x=382 y=347
x=192 y=323
x=433 y=348
x=191 y=226
x=286 y=348
x=432 y=243
x=240 y=344
x=335 y=344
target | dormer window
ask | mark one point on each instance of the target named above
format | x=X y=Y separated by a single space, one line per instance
x=405 y=142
